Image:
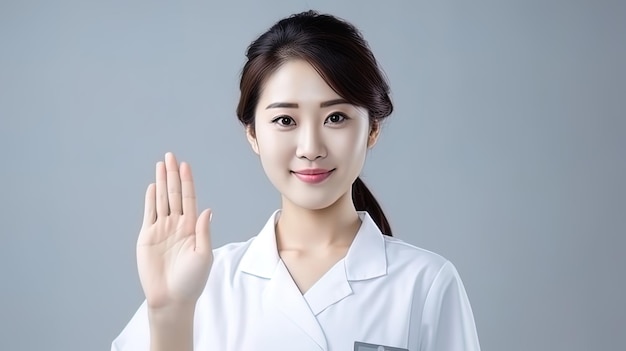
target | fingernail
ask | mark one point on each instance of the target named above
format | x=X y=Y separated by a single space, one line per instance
x=210 y=216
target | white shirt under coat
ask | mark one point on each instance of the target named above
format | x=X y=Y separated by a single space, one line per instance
x=384 y=292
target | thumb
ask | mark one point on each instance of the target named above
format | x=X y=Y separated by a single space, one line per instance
x=203 y=232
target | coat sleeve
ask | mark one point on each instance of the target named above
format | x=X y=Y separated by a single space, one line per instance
x=136 y=335
x=447 y=321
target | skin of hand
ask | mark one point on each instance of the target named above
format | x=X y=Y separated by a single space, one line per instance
x=174 y=253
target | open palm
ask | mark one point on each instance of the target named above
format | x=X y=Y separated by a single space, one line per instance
x=174 y=254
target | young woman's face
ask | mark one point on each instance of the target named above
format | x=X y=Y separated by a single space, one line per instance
x=312 y=143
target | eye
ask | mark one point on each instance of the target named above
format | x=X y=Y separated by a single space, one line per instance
x=336 y=118
x=284 y=121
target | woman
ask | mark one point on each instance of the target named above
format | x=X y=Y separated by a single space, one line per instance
x=320 y=275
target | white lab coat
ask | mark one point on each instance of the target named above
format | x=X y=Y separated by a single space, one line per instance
x=384 y=292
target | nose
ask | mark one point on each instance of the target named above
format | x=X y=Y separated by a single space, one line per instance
x=310 y=143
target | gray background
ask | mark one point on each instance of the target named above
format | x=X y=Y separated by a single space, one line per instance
x=505 y=154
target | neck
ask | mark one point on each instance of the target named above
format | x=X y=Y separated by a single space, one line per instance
x=307 y=230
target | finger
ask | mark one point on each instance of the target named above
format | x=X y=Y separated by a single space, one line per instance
x=203 y=232
x=188 y=191
x=149 y=209
x=162 y=207
x=173 y=184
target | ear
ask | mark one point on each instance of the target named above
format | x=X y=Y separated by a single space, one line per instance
x=374 y=133
x=250 y=135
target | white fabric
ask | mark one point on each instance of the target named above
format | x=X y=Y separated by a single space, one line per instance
x=383 y=292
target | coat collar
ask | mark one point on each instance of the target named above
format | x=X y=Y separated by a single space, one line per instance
x=366 y=257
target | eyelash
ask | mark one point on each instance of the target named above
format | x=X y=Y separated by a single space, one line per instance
x=282 y=118
x=343 y=117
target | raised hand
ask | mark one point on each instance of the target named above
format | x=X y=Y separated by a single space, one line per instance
x=174 y=254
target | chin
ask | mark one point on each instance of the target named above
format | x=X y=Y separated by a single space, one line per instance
x=313 y=205
x=312 y=202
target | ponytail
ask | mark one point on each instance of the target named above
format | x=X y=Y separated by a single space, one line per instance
x=365 y=201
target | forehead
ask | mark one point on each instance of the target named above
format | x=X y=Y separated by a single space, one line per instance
x=296 y=81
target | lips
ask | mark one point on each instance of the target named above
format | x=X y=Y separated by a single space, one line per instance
x=313 y=175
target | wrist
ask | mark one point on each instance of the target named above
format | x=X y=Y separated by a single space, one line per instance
x=171 y=327
x=172 y=314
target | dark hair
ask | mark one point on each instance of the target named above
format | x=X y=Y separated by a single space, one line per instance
x=337 y=50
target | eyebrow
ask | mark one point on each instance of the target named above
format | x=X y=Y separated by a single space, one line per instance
x=294 y=105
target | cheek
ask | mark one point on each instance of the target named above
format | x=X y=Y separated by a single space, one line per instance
x=274 y=149
x=352 y=142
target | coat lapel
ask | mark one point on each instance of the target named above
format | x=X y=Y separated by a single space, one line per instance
x=366 y=259
x=330 y=289
x=282 y=300
x=286 y=309
x=367 y=256
x=283 y=295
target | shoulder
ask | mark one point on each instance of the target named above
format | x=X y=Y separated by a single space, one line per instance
x=401 y=253
x=439 y=309
x=231 y=253
x=422 y=267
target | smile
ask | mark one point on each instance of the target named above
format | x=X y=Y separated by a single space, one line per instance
x=313 y=176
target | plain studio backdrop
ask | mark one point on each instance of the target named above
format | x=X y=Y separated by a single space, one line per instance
x=505 y=154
